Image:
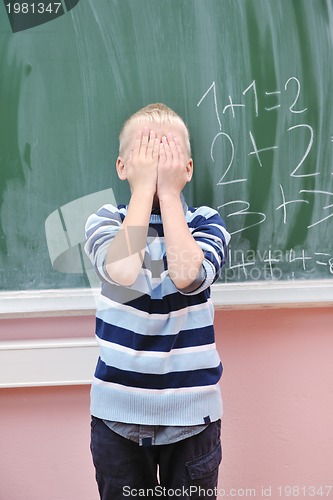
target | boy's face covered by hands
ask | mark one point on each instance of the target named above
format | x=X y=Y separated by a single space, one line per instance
x=157 y=160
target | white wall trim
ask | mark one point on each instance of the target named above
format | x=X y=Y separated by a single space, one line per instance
x=277 y=294
x=81 y=302
x=53 y=362
x=46 y=303
x=47 y=362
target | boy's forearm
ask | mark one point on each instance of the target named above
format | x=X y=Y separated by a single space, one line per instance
x=184 y=255
x=126 y=251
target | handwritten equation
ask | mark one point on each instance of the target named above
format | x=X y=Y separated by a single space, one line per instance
x=274 y=264
x=234 y=108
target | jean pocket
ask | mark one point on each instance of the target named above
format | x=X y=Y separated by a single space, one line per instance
x=205 y=465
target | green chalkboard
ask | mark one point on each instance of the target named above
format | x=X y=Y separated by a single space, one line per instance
x=253 y=79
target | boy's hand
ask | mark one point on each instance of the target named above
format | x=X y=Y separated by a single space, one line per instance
x=172 y=173
x=141 y=167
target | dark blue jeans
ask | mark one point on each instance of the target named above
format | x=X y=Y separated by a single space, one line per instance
x=188 y=469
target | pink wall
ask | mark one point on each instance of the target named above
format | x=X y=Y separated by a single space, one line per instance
x=44 y=436
x=278 y=398
x=277 y=428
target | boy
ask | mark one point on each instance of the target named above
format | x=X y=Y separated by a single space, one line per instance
x=155 y=399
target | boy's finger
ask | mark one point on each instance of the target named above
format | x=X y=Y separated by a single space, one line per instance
x=151 y=143
x=167 y=149
x=162 y=152
x=137 y=143
x=156 y=149
x=173 y=146
x=144 y=140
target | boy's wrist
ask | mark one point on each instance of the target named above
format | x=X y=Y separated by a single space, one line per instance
x=168 y=196
x=145 y=193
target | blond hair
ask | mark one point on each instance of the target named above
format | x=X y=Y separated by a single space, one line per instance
x=155 y=113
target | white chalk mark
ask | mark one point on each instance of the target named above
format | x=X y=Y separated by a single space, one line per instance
x=244 y=211
x=276 y=92
x=221 y=181
x=293 y=173
x=253 y=85
x=297 y=95
x=318 y=191
x=320 y=262
x=285 y=203
x=257 y=151
x=270 y=261
x=303 y=258
x=215 y=102
x=232 y=106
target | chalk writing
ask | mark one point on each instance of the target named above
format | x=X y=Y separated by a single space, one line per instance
x=242 y=212
x=293 y=173
x=257 y=151
x=293 y=78
x=273 y=264
x=243 y=215
x=232 y=105
x=215 y=102
x=253 y=86
x=316 y=191
x=277 y=92
x=285 y=203
x=232 y=156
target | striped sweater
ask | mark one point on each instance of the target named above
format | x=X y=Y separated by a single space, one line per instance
x=158 y=362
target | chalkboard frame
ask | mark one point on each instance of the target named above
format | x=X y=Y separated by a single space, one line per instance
x=81 y=301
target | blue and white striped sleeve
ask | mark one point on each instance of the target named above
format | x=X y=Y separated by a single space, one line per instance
x=209 y=231
x=100 y=229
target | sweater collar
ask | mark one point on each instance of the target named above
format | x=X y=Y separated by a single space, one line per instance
x=155 y=216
